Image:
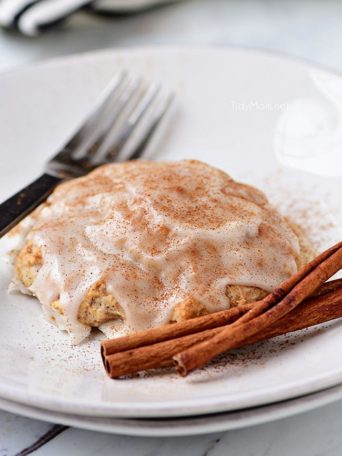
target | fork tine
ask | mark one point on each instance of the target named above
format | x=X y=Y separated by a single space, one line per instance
x=118 y=121
x=105 y=113
x=122 y=103
x=149 y=131
x=116 y=139
x=75 y=157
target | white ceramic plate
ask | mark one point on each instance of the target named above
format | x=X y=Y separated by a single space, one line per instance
x=267 y=120
x=167 y=427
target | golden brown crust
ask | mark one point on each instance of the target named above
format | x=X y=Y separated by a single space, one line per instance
x=189 y=308
x=239 y=294
x=28 y=263
x=99 y=306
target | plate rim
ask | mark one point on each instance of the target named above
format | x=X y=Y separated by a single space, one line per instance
x=202 y=424
x=179 y=408
x=169 y=48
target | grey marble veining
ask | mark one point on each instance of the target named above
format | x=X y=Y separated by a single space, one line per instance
x=307 y=29
x=17 y=432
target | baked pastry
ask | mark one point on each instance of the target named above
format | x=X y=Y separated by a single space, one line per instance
x=140 y=244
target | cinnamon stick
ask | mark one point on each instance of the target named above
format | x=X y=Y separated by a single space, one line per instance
x=301 y=285
x=332 y=285
x=184 y=328
x=319 y=309
x=311 y=312
x=172 y=330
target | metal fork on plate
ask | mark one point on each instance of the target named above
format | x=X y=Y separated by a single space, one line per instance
x=119 y=128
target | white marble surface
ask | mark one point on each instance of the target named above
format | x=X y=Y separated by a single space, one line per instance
x=317 y=433
x=308 y=29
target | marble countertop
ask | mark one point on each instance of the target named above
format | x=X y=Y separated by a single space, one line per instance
x=310 y=30
x=316 y=433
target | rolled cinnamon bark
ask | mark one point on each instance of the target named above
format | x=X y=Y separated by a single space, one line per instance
x=172 y=330
x=319 y=309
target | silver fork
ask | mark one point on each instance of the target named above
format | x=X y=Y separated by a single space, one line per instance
x=120 y=127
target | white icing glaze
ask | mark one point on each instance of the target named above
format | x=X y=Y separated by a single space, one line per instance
x=157 y=232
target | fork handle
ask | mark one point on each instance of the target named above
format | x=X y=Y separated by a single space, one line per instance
x=22 y=203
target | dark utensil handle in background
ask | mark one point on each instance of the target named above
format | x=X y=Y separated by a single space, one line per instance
x=22 y=203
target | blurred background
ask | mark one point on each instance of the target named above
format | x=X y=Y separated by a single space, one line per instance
x=310 y=29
